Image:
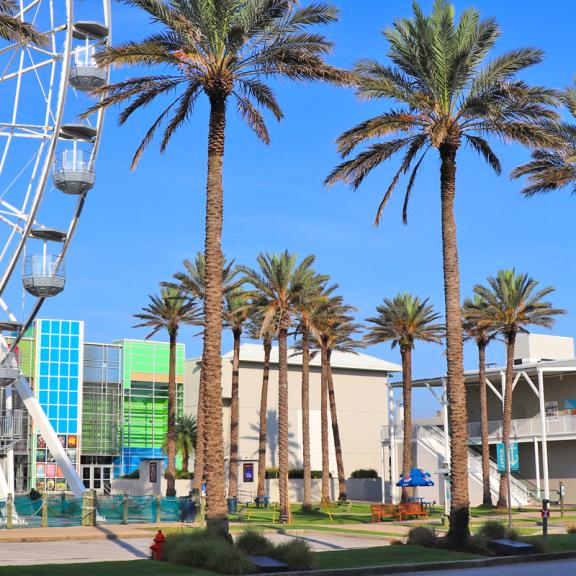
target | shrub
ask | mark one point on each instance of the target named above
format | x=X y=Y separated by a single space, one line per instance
x=492 y=530
x=252 y=541
x=296 y=553
x=364 y=473
x=272 y=473
x=202 y=549
x=35 y=495
x=422 y=536
x=571 y=529
x=134 y=475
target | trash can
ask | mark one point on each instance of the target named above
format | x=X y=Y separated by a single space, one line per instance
x=232 y=505
x=187 y=510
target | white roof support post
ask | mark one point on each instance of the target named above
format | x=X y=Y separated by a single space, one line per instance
x=543 y=435
x=8 y=403
x=392 y=434
x=49 y=435
x=493 y=388
x=447 y=503
x=3 y=485
x=537 y=467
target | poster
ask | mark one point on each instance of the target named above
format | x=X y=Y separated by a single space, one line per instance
x=40 y=470
x=153 y=471
x=40 y=442
x=248 y=472
x=41 y=456
x=50 y=470
x=62 y=439
x=72 y=441
x=72 y=454
x=570 y=405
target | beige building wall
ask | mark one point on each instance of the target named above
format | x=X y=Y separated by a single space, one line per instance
x=362 y=412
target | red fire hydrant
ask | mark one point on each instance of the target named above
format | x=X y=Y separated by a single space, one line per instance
x=157 y=547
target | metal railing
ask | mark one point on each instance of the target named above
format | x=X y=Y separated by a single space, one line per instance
x=528 y=427
x=12 y=424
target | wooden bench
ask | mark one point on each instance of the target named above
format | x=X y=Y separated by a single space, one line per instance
x=413 y=509
x=380 y=511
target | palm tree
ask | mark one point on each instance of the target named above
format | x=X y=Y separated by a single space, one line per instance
x=477 y=328
x=307 y=308
x=256 y=331
x=185 y=438
x=193 y=282
x=509 y=304
x=446 y=96
x=551 y=169
x=236 y=314
x=225 y=50
x=280 y=285
x=14 y=29
x=340 y=339
x=402 y=321
x=169 y=312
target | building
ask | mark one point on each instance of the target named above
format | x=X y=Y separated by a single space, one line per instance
x=543 y=425
x=360 y=382
x=108 y=404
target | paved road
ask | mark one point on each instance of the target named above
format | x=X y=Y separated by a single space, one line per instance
x=557 y=568
x=72 y=551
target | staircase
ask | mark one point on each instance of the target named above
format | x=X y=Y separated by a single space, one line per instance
x=432 y=439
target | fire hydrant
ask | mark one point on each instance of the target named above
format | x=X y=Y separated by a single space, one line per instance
x=157 y=547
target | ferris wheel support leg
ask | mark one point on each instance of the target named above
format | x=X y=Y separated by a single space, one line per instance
x=50 y=436
x=10 y=451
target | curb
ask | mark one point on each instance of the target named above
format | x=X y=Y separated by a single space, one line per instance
x=432 y=566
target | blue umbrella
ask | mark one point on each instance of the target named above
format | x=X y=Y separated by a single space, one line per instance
x=417 y=477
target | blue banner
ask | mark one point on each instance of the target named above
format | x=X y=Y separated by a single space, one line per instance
x=501 y=457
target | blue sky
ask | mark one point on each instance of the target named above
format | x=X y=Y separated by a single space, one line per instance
x=139 y=226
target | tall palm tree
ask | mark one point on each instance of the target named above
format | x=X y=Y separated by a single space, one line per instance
x=477 y=328
x=236 y=314
x=226 y=50
x=193 y=282
x=554 y=168
x=402 y=321
x=509 y=304
x=446 y=96
x=169 y=312
x=307 y=308
x=257 y=331
x=185 y=438
x=340 y=339
x=280 y=285
x=14 y=29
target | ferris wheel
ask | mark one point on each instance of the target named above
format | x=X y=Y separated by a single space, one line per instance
x=47 y=168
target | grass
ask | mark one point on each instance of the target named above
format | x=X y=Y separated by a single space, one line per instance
x=558 y=542
x=323 y=528
x=382 y=555
x=128 y=568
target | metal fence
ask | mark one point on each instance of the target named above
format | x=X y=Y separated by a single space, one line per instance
x=64 y=510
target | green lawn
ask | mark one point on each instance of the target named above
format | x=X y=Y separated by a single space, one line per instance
x=129 y=568
x=387 y=555
x=559 y=542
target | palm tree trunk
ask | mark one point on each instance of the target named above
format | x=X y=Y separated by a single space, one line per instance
x=199 y=452
x=216 y=512
x=307 y=504
x=283 y=415
x=171 y=472
x=263 y=433
x=507 y=417
x=234 y=419
x=342 y=495
x=459 y=531
x=486 y=494
x=185 y=458
x=407 y=398
x=324 y=421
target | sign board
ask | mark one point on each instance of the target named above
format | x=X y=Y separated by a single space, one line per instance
x=501 y=457
x=153 y=472
x=248 y=472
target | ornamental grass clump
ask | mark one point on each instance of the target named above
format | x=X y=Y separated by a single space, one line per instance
x=422 y=536
x=492 y=530
x=296 y=553
x=253 y=542
x=203 y=549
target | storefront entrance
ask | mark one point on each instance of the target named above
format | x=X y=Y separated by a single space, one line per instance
x=97 y=477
